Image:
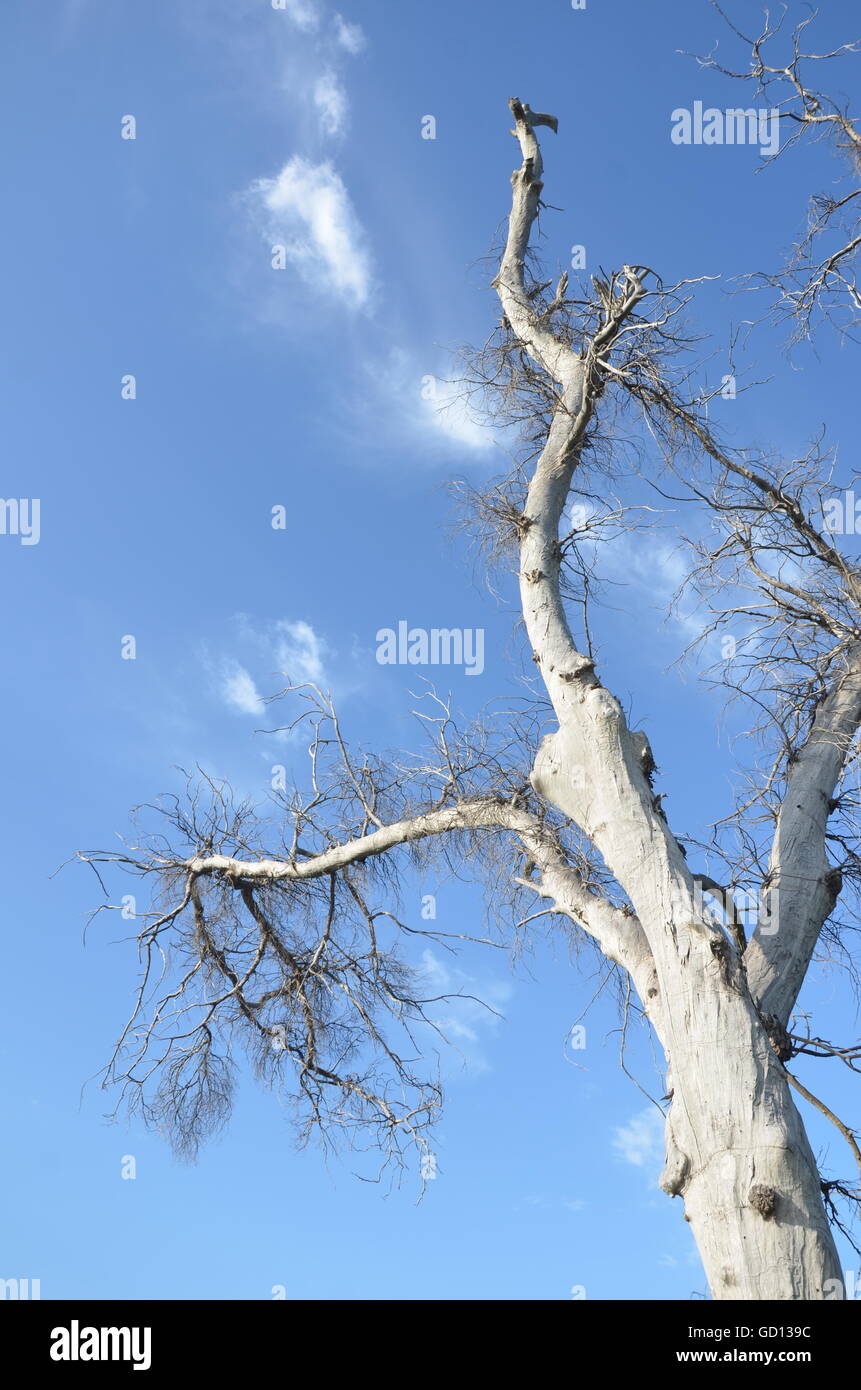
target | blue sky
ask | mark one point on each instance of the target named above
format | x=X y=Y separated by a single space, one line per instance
x=302 y=387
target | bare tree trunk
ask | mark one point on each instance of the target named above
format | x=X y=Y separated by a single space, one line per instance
x=736 y=1148
x=738 y=1155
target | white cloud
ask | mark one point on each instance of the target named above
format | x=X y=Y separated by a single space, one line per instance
x=239 y=690
x=641 y=1142
x=445 y=409
x=400 y=399
x=654 y=568
x=349 y=36
x=285 y=648
x=307 y=209
x=299 y=651
x=330 y=100
x=304 y=13
x=463 y=1019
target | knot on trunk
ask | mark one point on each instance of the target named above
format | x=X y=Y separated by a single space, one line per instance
x=584 y=666
x=763 y=1199
x=677 y=1168
x=833 y=882
x=643 y=752
x=778 y=1037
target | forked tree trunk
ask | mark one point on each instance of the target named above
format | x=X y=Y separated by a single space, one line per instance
x=736 y=1149
x=737 y=1153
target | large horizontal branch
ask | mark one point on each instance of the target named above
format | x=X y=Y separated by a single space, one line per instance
x=467 y=815
x=617 y=932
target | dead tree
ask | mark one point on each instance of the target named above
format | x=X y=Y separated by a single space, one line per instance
x=281 y=934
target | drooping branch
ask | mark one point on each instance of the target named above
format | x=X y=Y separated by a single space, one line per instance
x=298 y=956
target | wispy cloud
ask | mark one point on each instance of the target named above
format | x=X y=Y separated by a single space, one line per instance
x=307 y=210
x=470 y=1015
x=299 y=651
x=653 y=567
x=446 y=410
x=305 y=14
x=349 y=36
x=402 y=402
x=239 y=690
x=641 y=1141
x=285 y=649
x=330 y=100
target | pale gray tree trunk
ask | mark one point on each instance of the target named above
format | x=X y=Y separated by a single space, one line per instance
x=736 y=1150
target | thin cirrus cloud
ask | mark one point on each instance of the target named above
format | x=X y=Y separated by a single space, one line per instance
x=330 y=100
x=305 y=14
x=464 y=1010
x=654 y=571
x=306 y=209
x=446 y=411
x=349 y=36
x=400 y=395
x=286 y=648
x=239 y=690
x=300 y=652
x=339 y=40
x=641 y=1141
